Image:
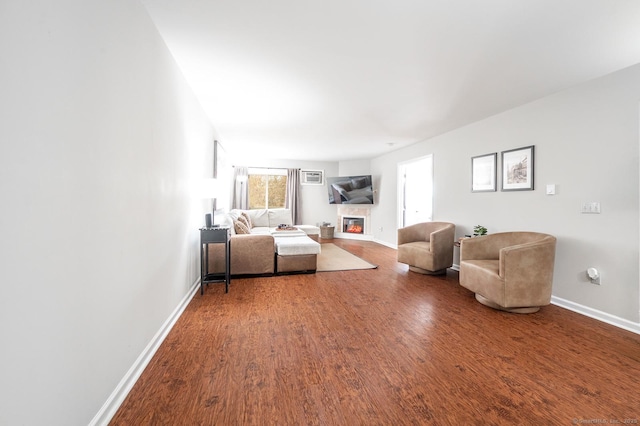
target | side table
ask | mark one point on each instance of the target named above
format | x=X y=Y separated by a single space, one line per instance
x=215 y=235
x=326 y=232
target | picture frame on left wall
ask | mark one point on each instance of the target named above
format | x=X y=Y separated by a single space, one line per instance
x=484 y=172
x=222 y=173
x=215 y=159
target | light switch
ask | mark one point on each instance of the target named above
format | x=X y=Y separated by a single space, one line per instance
x=592 y=207
x=551 y=189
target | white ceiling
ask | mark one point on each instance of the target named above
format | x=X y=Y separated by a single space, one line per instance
x=352 y=79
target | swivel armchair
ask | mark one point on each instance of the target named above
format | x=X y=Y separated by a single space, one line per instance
x=509 y=271
x=427 y=247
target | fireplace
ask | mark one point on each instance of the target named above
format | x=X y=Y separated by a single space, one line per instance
x=353 y=224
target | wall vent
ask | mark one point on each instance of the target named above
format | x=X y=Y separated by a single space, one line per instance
x=312 y=177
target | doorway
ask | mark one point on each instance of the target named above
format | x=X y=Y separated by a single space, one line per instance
x=415 y=187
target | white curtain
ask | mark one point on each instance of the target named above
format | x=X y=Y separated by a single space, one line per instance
x=292 y=198
x=240 y=192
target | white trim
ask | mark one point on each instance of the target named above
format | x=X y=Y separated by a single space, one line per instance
x=110 y=407
x=596 y=314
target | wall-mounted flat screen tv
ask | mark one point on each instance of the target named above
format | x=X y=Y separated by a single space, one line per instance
x=350 y=190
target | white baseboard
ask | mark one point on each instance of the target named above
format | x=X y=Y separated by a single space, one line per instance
x=384 y=243
x=110 y=407
x=596 y=314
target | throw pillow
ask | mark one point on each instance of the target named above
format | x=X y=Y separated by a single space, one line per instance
x=244 y=221
x=246 y=216
x=240 y=227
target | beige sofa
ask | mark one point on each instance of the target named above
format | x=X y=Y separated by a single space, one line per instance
x=250 y=255
x=510 y=271
x=254 y=253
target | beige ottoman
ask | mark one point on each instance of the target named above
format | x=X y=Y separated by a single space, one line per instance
x=296 y=253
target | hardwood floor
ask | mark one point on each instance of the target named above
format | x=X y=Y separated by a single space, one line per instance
x=380 y=347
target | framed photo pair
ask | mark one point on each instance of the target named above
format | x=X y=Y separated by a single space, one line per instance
x=517 y=170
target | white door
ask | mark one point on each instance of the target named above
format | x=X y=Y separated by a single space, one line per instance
x=415 y=190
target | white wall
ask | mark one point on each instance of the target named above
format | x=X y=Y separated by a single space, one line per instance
x=100 y=142
x=354 y=167
x=587 y=143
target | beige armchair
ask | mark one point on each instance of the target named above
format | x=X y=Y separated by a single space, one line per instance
x=510 y=271
x=427 y=247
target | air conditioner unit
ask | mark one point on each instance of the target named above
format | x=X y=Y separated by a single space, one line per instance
x=312 y=177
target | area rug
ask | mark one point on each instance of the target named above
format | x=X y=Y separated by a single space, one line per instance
x=334 y=258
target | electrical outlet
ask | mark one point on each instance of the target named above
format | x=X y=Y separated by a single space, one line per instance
x=593 y=275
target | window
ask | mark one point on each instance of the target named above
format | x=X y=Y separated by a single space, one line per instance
x=267 y=188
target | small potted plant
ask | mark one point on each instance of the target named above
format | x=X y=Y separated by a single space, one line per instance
x=479 y=230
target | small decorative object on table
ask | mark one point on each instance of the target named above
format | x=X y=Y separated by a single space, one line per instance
x=285 y=227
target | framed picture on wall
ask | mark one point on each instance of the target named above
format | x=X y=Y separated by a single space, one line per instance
x=483 y=173
x=215 y=159
x=517 y=169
